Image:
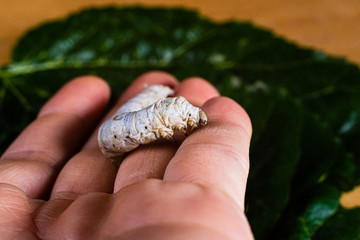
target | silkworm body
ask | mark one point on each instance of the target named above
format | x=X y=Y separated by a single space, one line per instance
x=129 y=128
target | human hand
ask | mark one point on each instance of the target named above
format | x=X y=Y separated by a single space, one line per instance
x=56 y=184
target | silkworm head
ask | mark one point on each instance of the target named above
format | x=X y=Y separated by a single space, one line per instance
x=203 y=119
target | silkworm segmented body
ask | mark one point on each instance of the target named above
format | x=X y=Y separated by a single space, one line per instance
x=149 y=116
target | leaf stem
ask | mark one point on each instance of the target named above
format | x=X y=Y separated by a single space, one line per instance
x=7 y=84
x=23 y=68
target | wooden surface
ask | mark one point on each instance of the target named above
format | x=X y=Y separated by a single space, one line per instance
x=329 y=25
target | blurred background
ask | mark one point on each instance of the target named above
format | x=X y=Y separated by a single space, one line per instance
x=332 y=26
x=329 y=25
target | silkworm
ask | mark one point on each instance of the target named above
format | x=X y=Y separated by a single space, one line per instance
x=148 y=116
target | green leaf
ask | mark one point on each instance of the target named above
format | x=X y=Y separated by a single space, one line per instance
x=343 y=225
x=318 y=142
x=273 y=164
x=304 y=104
x=312 y=210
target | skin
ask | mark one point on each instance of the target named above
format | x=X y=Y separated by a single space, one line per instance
x=56 y=184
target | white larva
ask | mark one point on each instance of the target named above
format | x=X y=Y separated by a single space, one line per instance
x=148 y=116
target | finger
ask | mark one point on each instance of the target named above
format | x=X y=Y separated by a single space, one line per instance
x=151 y=78
x=150 y=161
x=90 y=171
x=32 y=161
x=218 y=154
x=196 y=90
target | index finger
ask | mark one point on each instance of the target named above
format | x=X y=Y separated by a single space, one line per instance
x=216 y=155
x=33 y=160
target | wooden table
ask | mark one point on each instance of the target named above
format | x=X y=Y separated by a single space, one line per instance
x=329 y=25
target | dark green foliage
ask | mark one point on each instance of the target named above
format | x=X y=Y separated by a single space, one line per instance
x=304 y=104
